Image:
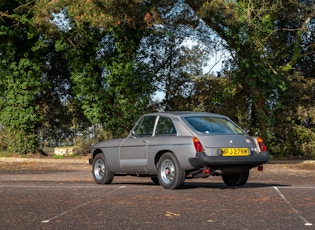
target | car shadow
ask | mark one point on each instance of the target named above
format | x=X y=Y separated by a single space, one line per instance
x=213 y=185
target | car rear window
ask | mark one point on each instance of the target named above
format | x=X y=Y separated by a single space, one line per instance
x=213 y=125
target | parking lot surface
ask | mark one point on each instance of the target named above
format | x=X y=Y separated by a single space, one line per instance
x=60 y=194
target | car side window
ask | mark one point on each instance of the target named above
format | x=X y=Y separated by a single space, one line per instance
x=165 y=126
x=146 y=126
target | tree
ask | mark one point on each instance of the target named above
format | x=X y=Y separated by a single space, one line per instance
x=176 y=51
x=67 y=66
x=294 y=132
x=269 y=42
x=102 y=41
x=111 y=87
x=35 y=81
x=244 y=25
x=19 y=75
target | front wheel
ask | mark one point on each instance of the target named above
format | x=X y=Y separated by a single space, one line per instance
x=170 y=173
x=237 y=179
x=101 y=172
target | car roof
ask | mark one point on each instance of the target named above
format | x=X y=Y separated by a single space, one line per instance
x=183 y=114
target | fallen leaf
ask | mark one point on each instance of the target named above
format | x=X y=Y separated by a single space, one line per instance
x=171 y=214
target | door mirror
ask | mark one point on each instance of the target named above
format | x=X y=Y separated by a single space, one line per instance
x=133 y=134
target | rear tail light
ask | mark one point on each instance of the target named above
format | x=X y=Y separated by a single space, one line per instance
x=197 y=144
x=261 y=144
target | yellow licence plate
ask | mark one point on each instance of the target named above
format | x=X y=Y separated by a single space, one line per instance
x=234 y=151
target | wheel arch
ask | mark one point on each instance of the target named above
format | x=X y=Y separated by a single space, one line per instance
x=95 y=152
x=160 y=154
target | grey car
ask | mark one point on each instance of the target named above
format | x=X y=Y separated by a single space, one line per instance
x=170 y=147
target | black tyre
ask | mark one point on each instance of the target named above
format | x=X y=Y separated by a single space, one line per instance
x=170 y=173
x=237 y=179
x=101 y=172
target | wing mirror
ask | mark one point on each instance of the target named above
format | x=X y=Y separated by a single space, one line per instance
x=133 y=134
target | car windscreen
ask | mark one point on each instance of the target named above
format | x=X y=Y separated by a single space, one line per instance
x=213 y=125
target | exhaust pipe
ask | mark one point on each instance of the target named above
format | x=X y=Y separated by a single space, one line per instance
x=203 y=173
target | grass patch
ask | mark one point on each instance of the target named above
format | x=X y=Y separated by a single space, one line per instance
x=59 y=156
x=5 y=154
x=65 y=156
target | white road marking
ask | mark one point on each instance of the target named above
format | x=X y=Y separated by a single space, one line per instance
x=306 y=222
x=64 y=213
x=79 y=206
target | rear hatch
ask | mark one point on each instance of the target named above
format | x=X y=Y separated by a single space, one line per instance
x=227 y=145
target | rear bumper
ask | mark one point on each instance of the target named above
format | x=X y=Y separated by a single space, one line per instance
x=251 y=161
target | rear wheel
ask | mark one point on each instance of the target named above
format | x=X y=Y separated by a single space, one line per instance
x=170 y=173
x=237 y=179
x=101 y=172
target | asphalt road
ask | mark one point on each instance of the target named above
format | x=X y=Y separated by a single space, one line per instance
x=59 y=194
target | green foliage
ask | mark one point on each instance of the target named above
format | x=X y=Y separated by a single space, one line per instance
x=93 y=73
x=269 y=42
x=108 y=81
x=294 y=131
x=34 y=82
x=20 y=78
x=19 y=113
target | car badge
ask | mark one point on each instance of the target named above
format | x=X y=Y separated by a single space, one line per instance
x=231 y=142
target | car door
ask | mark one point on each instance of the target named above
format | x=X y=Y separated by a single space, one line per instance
x=164 y=139
x=134 y=149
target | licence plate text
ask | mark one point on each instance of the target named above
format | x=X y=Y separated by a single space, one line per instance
x=234 y=151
